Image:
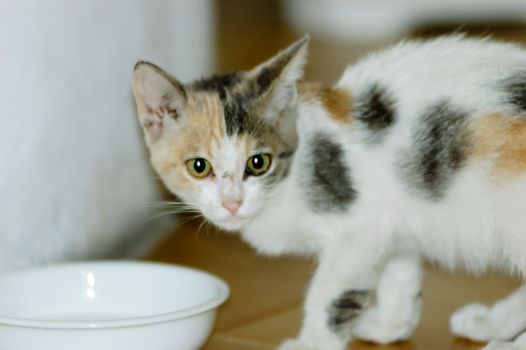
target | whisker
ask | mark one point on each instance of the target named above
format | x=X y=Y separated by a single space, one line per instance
x=166 y=203
x=184 y=221
x=203 y=223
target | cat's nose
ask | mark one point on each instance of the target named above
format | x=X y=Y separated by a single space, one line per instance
x=232 y=206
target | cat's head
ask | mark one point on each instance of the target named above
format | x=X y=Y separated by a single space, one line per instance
x=221 y=144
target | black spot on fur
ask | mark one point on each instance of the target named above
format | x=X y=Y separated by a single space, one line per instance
x=271 y=72
x=375 y=108
x=237 y=106
x=219 y=83
x=235 y=115
x=440 y=147
x=328 y=186
x=346 y=308
x=515 y=89
x=237 y=103
x=283 y=159
x=238 y=118
x=285 y=154
x=266 y=78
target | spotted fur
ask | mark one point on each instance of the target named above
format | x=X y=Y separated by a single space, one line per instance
x=375 y=108
x=220 y=84
x=500 y=139
x=418 y=151
x=336 y=101
x=439 y=149
x=515 y=90
x=328 y=184
x=346 y=308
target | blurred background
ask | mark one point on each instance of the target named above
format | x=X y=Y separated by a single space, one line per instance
x=75 y=182
x=74 y=179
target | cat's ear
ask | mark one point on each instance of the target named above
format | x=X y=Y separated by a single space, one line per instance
x=275 y=80
x=160 y=98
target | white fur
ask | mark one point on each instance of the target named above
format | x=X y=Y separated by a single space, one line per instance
x=518 y=344
x=502 y=321
x=397 y=310
x=476 y=225
x=377 y=243
x=228 y=185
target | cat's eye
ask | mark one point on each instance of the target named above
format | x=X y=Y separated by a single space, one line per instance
x=199 y=167
x=258 y=164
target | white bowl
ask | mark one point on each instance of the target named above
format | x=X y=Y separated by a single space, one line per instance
x=108 y=306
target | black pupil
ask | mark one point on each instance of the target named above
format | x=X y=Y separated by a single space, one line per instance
x=199 y=165
x=257 y=162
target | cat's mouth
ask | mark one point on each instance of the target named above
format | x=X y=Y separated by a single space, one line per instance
x=232 y=223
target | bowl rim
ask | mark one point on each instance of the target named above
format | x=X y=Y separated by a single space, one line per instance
x=222 y=293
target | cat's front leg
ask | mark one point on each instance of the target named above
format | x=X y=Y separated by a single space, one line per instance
x=338 y=294
x=398 y=301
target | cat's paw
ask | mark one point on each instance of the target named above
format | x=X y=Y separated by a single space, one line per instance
x=473 y=322
x=372 y=327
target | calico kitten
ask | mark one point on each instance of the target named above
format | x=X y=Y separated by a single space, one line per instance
x=418 y=151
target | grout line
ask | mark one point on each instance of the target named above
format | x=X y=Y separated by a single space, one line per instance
x=260 y=317
x=234 y=340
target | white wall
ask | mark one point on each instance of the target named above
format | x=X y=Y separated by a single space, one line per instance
x=357 y=21
x=74 y=177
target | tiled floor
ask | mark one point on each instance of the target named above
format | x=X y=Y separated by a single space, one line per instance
x=265 y=304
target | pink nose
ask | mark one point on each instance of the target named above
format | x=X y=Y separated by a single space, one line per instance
x=232 y=206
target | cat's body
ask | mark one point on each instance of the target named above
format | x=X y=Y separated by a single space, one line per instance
x=419 y=150
x=467 y=208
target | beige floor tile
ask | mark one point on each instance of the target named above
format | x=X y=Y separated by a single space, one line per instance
x=272 y=329
x=219 y=342
x=253 y=294
x=267 y=293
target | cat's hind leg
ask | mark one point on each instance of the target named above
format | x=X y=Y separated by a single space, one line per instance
x=501 y=321
x=396 y=312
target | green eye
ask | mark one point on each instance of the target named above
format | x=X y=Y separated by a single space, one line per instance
x=199 y=167
x=258 y=164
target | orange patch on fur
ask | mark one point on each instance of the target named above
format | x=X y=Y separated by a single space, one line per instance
x=198 y=133
x=337 y=101
x=501 y=139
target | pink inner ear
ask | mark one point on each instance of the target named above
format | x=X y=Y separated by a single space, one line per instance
x=152 y=123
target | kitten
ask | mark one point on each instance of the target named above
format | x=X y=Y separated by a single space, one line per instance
x=418 y=151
